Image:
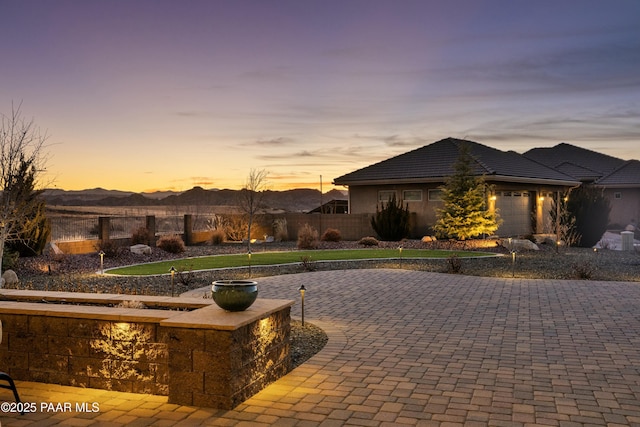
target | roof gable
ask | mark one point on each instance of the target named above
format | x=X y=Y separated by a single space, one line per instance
x=583 y=160
x=435 y=162
x=626 y=175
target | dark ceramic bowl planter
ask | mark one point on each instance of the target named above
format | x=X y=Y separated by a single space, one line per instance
x=234 y=295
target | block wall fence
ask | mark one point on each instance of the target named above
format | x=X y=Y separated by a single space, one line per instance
x=351 y=226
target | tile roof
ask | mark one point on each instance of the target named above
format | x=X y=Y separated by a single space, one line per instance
x=581 y=159
x=626 y=175
x=434 y=162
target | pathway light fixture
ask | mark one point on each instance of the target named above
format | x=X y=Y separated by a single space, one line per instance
x=302 y=290
x=101 y=253
x=172 y=270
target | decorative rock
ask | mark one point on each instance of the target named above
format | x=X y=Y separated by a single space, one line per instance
x=520 y=244
x=140 y=249
x=53 y=249
x=9 y=277
x=427 y=239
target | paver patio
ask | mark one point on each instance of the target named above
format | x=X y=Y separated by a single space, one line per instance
x=419 y=348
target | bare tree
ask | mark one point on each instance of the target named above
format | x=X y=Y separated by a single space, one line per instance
x=21 y=158
x=251 y=197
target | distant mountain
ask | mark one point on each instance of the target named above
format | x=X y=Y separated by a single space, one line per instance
x=298 y=200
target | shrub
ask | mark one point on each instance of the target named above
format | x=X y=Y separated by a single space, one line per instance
x=218 y=237
x=331 y=235
x=583 y=270
x=590 y=208
x=236 y=227
x=368 y=241
x=280 y=232
x=110 y=248
x=171 y=243
x=391 y=222
x=454 y=264
x=307 y=237
x=140 y=236
x=307 y=263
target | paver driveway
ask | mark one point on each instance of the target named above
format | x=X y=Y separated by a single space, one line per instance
x=420 y=348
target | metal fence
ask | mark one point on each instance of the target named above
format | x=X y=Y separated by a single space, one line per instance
x=122 y=227
x=70 y=229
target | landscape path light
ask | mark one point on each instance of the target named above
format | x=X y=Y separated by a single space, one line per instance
x=172 y=270
x=400 y=251
x=513 y=263
x=249 y=257
x=302 y=290
x=101 y=262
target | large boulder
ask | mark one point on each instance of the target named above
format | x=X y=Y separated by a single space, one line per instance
x=10 y=277
x=140 y=249
x=520 y=245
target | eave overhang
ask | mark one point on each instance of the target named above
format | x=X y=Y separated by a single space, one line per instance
x=440 y=180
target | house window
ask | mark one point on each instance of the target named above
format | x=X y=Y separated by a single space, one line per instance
x=617 y=195
x=386 y=195
x=435 y=195
x=412 y=195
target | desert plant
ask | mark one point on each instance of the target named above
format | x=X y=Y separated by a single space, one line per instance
x=109 y=248
x=308 y=264
x=391 y=222
x=171 y=243
x=280 y=232
x=140 y=236
x=185 y=276
x=217 y=237
x=368 y=241
x=564 y=223
x=236 y=227
x=454 y=264
x=582 y=270
x=331 y=235
x=307 y=237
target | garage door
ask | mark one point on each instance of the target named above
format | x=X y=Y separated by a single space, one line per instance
x=514 y=208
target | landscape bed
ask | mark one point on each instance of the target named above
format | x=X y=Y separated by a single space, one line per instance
x=286 y=257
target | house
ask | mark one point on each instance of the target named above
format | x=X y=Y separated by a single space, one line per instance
x=522 y=188
x=334 y=206
x=619 y=179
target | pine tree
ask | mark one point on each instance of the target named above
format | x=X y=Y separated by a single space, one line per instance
x=464 y=214
x=591 y=210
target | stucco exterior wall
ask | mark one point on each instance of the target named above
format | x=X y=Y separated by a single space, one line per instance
x=625 y=205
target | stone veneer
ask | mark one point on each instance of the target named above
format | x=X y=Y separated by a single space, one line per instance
x=204 y=357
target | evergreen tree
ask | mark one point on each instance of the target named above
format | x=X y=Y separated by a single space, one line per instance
x=391 y=222
x=32 y=233
x=464 y=213
x=591 y=210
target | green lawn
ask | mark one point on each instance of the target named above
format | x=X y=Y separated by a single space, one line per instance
x=274 y=258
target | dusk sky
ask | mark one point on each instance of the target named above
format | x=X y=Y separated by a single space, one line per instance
x=166 y=95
